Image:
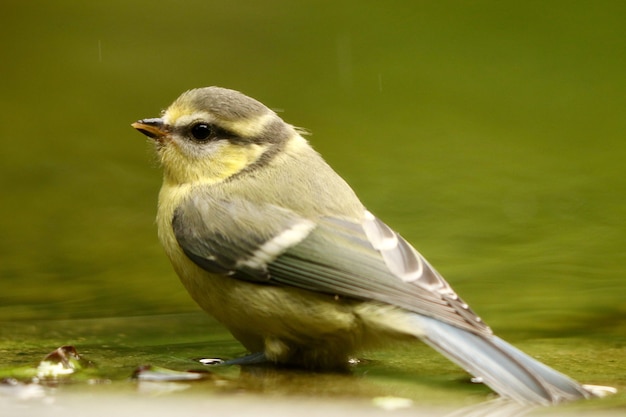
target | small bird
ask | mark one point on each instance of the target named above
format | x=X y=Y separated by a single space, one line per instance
x=273 y=243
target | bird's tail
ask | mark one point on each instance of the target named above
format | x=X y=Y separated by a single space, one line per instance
x=507 y=370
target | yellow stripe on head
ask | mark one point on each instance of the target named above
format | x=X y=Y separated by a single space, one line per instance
x=250 y=127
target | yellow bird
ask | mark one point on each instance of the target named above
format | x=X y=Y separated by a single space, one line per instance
x=274 y=244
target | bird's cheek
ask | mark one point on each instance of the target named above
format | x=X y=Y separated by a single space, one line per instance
x=162 y=144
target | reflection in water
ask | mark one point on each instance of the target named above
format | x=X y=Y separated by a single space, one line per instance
x=494 y=408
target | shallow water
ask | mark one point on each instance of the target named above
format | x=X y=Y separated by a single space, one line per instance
x=407 y=379
x=491 y=137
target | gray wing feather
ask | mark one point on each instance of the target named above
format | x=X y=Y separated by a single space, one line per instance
x=339 y=260
x=268 y=244
x=229 y=237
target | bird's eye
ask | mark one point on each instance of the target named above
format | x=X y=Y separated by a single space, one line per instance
x=201 y=131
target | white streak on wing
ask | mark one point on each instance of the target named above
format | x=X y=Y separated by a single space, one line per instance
x=277 y=245
x=406 y=266
x=382 y=238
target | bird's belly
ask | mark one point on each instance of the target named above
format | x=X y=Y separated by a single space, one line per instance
x=290 y=325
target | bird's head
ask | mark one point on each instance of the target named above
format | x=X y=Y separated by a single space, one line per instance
x=210 y=134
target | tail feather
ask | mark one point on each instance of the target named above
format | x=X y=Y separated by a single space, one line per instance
x=507 y=370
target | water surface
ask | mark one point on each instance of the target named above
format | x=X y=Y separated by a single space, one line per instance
x=491 y=136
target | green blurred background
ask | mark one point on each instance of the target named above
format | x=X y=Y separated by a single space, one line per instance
x=490 y=134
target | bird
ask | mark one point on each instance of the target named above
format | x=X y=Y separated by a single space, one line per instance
x=269 y=240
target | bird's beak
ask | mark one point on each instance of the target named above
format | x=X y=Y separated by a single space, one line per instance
x=153 y=128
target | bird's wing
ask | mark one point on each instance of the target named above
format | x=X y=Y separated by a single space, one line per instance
x=272 y=245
